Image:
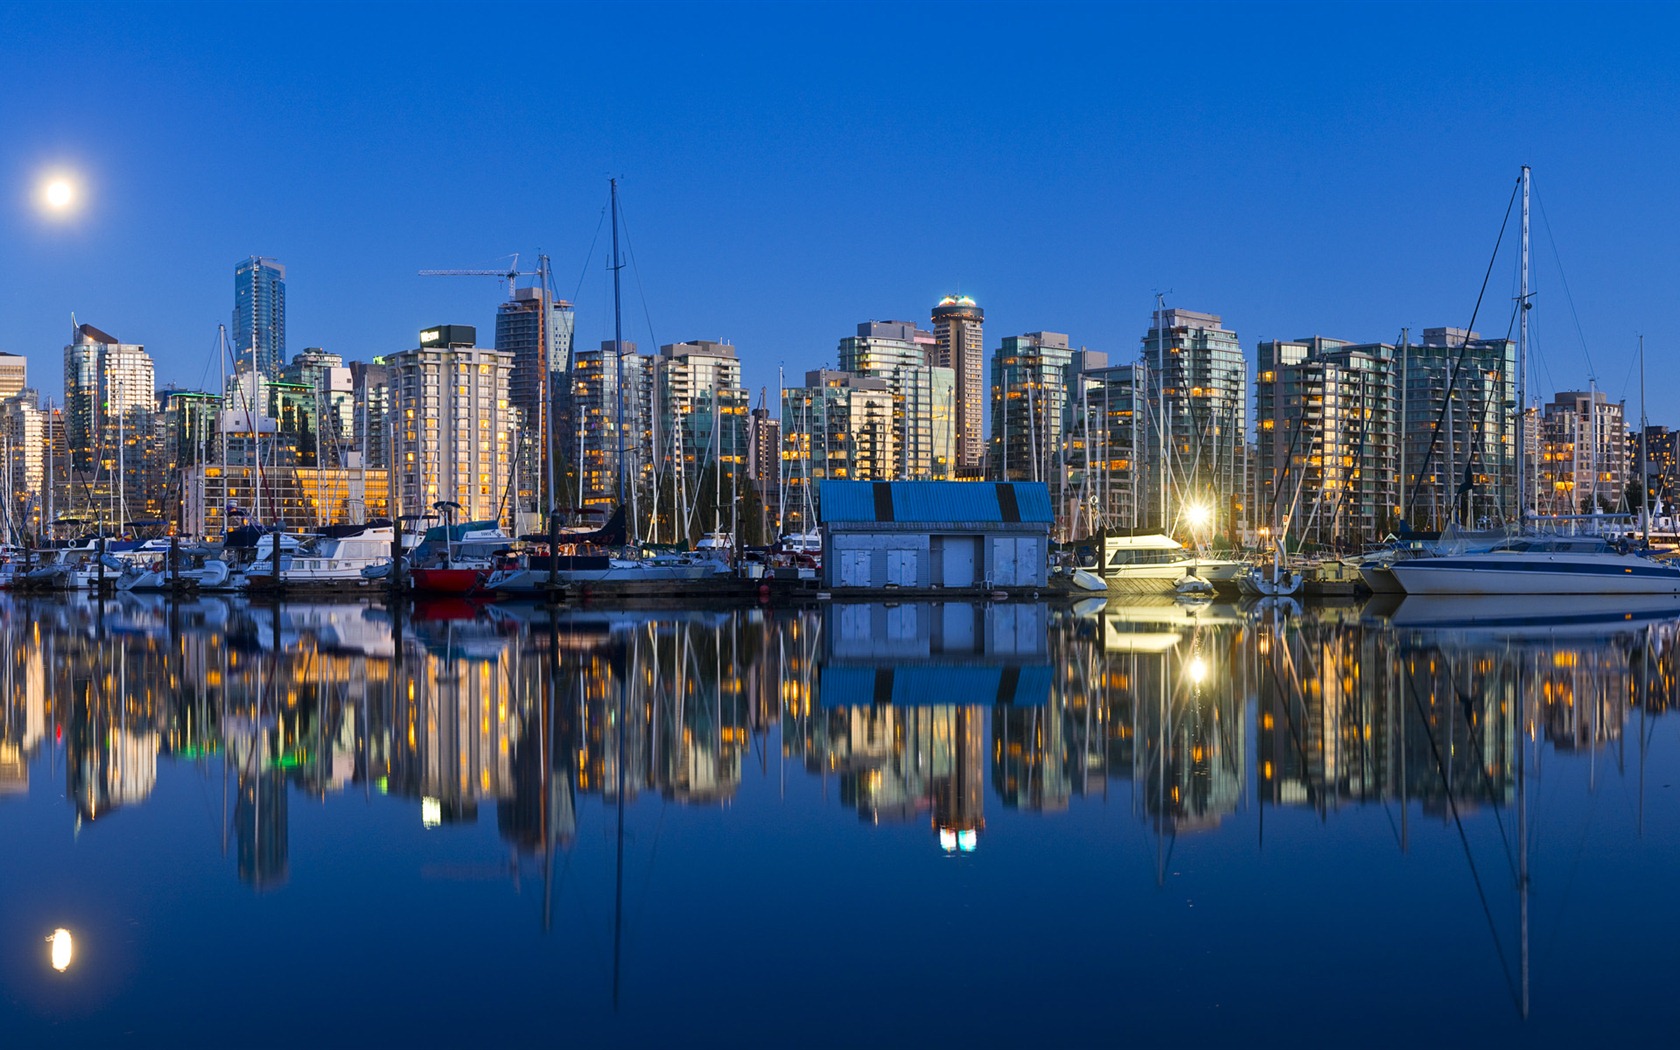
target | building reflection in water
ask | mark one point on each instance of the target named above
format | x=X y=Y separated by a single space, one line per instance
x=910 y=708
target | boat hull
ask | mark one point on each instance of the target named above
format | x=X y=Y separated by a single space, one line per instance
x=457 y=581
x=1380 y=579
x=1501 y=572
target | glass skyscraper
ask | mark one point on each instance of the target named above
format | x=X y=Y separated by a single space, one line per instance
x=259 y=314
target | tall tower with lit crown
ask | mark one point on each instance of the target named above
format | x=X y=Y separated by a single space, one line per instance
x=961 y=347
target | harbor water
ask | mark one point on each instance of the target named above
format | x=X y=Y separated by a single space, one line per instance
x=1004 y=824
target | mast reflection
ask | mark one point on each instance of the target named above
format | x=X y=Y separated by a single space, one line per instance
x=914 y=711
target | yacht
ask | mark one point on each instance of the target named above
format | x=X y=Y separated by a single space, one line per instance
x=1538 y=564
x=529 y=575
x=334 y=557
x=453 y=560
x=1154 y=563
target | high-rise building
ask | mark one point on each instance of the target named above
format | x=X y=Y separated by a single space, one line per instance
x=455 y=429
x=1328 y=437
x=1031 y=379
x=924 y=395
x=370 y=386
x=1662 y=465
x=1114 y=440
x=23 y=444
x=764 y=454
x=189 y=422
x=1199 y=398
x=958 y=327
x=109 y=400
x=838 y=425
x=259 y=314
x=609 y=432
x=333 y=410
x=701 y=415
x=1584 y=454
x=519 y=331
x=14 y=374
x=1459 y=452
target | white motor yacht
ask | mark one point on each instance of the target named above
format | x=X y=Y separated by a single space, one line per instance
x=1153 y=563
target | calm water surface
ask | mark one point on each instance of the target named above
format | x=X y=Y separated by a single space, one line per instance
x=993 y=825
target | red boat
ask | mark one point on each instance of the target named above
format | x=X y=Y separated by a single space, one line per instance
x=456 y=581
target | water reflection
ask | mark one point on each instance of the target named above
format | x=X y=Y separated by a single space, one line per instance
x=1175 y=719
x=459 y=708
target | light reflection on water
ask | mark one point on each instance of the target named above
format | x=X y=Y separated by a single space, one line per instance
x=1374 y=800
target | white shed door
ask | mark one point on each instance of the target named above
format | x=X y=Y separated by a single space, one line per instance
x=959 y=561
x=1003 y=562
x=1026 y=560
x=854 y=569
x=901 y=568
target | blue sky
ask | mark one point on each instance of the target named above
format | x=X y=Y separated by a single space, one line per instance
x=791 y=170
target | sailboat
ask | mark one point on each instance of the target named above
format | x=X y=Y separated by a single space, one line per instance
x=589 y=559
x=1532 y=562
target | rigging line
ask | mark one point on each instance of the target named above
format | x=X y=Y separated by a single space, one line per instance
x=1479 y=741
x=587 y=259
x=1464 y=840
x=1476 y=440
x=1564 y=280
x=636 y=270
x=1464 y=348
x=204 y=377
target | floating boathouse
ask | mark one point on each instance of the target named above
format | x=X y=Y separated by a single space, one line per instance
x=935 y=535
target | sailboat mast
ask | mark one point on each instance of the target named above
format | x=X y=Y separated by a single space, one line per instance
x=1160 y=420
x=618 y=355
x=545 y=350
x=1522 y=364
x=1644 y=463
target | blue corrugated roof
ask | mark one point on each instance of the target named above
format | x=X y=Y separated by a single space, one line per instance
x=911 y=685
x=931 y=501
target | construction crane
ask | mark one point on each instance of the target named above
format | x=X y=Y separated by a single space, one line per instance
x=545 y=425
x=512 y=273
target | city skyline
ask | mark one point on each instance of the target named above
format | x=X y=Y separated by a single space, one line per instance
x=1365 y=228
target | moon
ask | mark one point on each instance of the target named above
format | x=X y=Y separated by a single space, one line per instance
x=58 y=193
x=62 y=949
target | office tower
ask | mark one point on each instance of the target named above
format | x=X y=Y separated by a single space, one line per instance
x=1031 y=378
x=23 y=436
x=1458 y=453
x=958 y=326
x=519 y=331
x=370 y=386
x=1329 y=435
x=607 y=432
x=924 y=396
x=1662 y=465
x=764 y=456
x=14 y=374
x=1583 y=465
x=838 y=425
x=259 y=314
x=189 y=427
x=455 y=430
x=701 y=416
x=1200 y=402
x=333 y=410
x=109 y=399
x=1111 y=426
